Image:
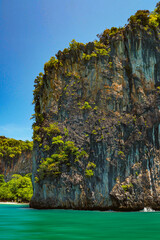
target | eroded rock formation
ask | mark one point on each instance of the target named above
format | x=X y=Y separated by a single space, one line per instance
x=97 y=132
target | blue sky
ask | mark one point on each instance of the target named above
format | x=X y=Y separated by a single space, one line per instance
x=31 y=31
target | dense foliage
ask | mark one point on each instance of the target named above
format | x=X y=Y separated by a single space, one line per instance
x=109 y=33
x=145 y=19
x=89 y=172
x=10 y=148
x=18 y=189
x=148 y=20
x=59 y=152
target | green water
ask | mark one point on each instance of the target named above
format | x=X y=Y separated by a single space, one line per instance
x=21 y=222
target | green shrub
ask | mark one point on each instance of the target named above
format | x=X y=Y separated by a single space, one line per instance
x=94 y=132
x=70 y=148
x=46 y=148
x=18 y=189
x=153 y=20
x=53 y=129
x=141 y=17
x=38 y=82
x=38 y=117
x=89 y=172
x=82 y=153
x=52 y=63
x=57 y=140
x=102 y=52
x=36 y=128
x=72 y=74
x=91 y=165
x=110 y=64
x=86 y=106
x=99 y=49
x=127 y=187
x=121 y=154
x=73 y=45
x=89 y=169
x=89 y=56
x=68 y=74
x=37 y=138
x=66 y=132
x=109 y=33
x=65 y=152
x=146 y=19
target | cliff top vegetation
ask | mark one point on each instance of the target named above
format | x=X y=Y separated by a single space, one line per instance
x=11 y=148
x=148 y=20
x=144 y=19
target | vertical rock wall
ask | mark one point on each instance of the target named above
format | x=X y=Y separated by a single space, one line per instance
x=15 y=157
x=109 y=105
x=20 y=165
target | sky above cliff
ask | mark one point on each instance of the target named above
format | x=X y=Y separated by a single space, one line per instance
x=31 y=31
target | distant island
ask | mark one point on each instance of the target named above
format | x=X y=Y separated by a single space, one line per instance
x=15 y=170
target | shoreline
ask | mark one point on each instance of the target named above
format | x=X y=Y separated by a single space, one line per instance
x=144 y=210
x=14 y=203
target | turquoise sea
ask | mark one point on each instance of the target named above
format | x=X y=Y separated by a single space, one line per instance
x=19 y=222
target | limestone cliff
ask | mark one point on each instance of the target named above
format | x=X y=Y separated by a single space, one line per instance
x=15 y=157
x=97 y=132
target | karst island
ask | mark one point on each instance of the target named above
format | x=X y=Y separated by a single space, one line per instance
x=96 y=134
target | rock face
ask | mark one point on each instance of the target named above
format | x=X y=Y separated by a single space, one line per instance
x=97 y=130
x=15 y=157
x=19 y=165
